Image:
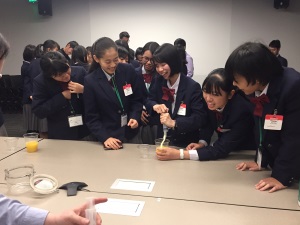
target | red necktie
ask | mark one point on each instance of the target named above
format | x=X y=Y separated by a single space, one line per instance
x=259 y=101
x=168 y=94
x=147 y=78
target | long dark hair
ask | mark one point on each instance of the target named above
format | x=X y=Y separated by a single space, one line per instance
x=41 y=49
x=4 y=47
x=53 y=64
x=99 y=48
x=216 y=80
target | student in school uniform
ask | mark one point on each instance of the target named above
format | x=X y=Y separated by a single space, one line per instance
x=112 y=97
x=79 y=57
x=147 y=73
x=257 y=71
x=39 y=125
x=177 y=98
x=57 y=96
x=13 y=212
x=29 y=119
x=229 y=115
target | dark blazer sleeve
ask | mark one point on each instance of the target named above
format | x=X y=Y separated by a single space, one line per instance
x=287 y=156
x=240 y=122
x=44 y=105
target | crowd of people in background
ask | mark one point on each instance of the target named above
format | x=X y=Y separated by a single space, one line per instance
x=110 y=93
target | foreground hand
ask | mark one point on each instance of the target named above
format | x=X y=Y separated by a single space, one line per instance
x=75 y=87
x=113 y=143
x=195 y=146
x=166 y=119
x=252 y=166
x=144 y=117
x=160 y=108
x=268 y=183
x=167 y=153
x=73 y=217
x=133 y=124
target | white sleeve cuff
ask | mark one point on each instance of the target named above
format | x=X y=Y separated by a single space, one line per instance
x=193 y=155
x=203 y=142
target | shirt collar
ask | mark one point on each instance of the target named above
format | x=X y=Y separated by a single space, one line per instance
x=108 y=76
x=259 y=93
x=175 y=85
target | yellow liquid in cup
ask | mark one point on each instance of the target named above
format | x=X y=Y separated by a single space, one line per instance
x=31 y=146
x=160 y=149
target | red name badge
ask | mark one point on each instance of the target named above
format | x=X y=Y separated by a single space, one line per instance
x=182 y=110
x=273 y=122
x=127 y=89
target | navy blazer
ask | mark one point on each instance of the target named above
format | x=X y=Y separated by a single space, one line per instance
x=234 y=129
x=33 y=70
x=282 y=61
x=26 y=81
x=281 y=149
x=187 y=127
x=103 y=109
x=48 y=102
x=153 y=119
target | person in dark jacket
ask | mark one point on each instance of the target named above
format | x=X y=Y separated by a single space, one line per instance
x=57 y=96
x=229 y=115
x=256 y=71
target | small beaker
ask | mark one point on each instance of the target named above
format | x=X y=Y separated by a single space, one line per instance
x=144 y=150
x=18 y=178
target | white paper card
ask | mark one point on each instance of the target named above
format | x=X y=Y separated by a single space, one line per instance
x=121 y=207
x=133 y=185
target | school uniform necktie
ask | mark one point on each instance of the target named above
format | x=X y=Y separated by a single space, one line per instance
x=147 y=78
x=259 y=102
x=168 y=94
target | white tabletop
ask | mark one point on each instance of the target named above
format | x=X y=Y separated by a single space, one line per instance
x=212 y=182
x=158 y=211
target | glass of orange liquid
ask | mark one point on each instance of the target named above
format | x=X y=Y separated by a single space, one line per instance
x=158 y=145
x=31 y=141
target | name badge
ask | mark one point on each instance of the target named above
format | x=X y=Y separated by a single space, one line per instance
x=127 y=89
x=75 y=121
x=273 y=122
x=123 y=120
x=182 y=110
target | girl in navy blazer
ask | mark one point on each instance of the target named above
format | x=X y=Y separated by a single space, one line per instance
x=57 y=96
x=177 y=98
x=112 y=97
x=229 y=115
x=257 y=71
x=147 y=73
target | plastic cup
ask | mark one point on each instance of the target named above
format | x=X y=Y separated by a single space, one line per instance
x=158 y=144
x=144 y=150
x=31 y=141
x=11 y=143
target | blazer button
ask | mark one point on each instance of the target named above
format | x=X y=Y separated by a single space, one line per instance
x=269 y=146
x=119 y=111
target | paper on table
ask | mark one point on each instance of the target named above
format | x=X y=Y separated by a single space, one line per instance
x=133 y=185
x=121 y=207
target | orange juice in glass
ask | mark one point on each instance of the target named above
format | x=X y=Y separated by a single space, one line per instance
x=31 y=142
x=158 y=144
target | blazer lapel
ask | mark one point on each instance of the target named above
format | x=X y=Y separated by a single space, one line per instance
x=105 y=86
x=179 y=95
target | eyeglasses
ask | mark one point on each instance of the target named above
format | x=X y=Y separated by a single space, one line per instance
x=145 y=59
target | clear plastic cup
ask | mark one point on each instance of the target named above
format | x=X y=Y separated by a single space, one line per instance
x=11 y=143
x=158 y=145
x=18 y=178
x=31 y=141
x=144 y=150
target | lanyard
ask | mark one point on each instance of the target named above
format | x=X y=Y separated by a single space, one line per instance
x=72 y=109
x=117 y=93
